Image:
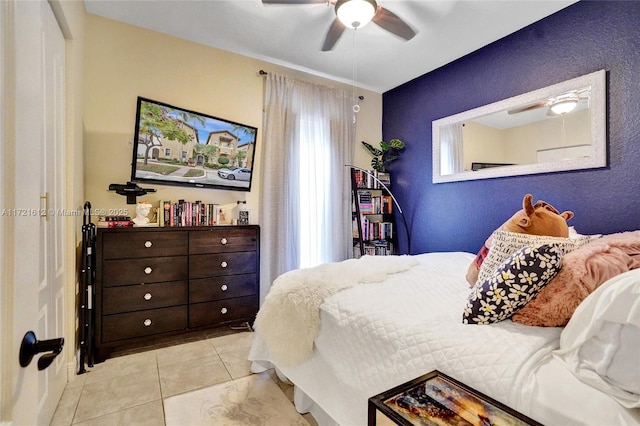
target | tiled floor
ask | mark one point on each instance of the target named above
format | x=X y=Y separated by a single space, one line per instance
x=131 y=389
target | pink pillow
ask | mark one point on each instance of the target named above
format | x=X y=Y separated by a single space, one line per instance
x=583 y=270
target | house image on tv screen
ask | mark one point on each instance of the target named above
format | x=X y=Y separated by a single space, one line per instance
x=228 y=146
x=168 y=149
x=177 y=146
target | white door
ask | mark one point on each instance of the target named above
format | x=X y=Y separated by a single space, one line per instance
x=33 y=187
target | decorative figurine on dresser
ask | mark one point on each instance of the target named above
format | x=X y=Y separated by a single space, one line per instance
x=154 y=284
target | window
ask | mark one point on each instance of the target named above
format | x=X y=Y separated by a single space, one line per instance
x=225 y=142
x=314 y=160
x=305 y=214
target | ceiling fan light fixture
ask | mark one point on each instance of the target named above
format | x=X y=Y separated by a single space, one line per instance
x=356 y=13
x=564 y=105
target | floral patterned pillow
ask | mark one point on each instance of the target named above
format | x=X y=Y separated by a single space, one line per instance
x=506 y=243
x=513 y=284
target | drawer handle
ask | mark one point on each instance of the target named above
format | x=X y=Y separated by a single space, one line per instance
x=224 y=264
x=223 y=241
x=224 y=310
x=148 y=270
x=224 y=287
x=148 y=244
x=147 y=322
x=147 y=296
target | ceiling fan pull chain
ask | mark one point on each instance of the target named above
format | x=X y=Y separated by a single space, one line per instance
x=356 y=106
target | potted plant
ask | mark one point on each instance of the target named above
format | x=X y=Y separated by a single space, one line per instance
x=387 y=153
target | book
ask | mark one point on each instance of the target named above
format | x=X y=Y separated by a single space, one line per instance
x=114 y=222
x=365 y=202
x=212 y=219
x=180 y=213
x=166 y=216
x=387 y=207
x=191 y=213
x=384 y=177
x=202 y=212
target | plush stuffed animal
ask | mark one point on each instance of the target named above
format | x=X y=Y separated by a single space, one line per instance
x=540 y=218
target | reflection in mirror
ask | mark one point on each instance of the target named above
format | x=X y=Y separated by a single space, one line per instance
x=560 y=127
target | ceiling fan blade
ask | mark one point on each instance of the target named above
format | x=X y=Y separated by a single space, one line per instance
x=392 y=23
x=293 y=1
x=528 y=108
x=334 y=33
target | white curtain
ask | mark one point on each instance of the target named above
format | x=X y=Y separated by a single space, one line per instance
x=451 y=158
x=305 y=203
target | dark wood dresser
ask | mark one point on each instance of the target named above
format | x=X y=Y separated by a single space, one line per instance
x=158 y=283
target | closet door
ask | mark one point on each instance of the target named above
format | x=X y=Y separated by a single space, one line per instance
x=32 y=250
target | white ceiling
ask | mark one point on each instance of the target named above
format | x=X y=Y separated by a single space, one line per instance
x=291 y=35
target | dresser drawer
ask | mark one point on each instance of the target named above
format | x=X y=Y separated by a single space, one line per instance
x=207 y=265
x=143 y=323
x=223 y=240
x=148 y=296
x=224 y=287
x=145 y=270
x=126 y=245
x=218 y=311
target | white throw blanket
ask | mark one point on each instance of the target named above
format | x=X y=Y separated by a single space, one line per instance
x=289 y=319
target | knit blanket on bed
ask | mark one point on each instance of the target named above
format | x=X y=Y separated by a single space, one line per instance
x=289 y=318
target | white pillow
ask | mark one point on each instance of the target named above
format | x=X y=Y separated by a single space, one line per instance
x=505 y=243
x=575 y=234
x=601 y=342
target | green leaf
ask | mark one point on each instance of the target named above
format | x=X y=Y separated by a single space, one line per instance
x=377 y=164
x=371 y=149
x=396 y=144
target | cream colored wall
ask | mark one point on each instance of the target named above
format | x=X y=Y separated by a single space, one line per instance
x=368 y=128
x=561 y=131
x=482 y=144
x=520 y=145
x=71 y=15
x=123 y=62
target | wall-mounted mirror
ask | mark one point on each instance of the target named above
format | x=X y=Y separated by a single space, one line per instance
x=557 y=128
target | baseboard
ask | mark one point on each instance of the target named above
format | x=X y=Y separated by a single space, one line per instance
x=72 y=368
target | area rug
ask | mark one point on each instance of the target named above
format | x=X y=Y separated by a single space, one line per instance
x=251 y=400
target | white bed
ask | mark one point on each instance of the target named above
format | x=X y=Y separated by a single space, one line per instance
x=374 y=336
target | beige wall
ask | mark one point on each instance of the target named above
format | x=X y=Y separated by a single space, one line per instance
x=520 y=145
x=571 y=129
x=482 y=144
x=123 y=62
x=71 y=16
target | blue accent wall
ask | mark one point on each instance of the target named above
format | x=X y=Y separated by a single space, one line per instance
x=582 y=38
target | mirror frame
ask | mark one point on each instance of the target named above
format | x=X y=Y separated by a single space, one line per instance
x=597 y=112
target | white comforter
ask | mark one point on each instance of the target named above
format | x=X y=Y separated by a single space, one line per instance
x=379 y=335
x=289 y=319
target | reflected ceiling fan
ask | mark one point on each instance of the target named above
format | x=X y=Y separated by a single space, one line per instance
x=558 y=105
x=356 y=14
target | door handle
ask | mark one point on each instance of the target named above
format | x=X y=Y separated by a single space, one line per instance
x=31 y=346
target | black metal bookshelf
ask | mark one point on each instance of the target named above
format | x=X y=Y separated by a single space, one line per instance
x=373 y=225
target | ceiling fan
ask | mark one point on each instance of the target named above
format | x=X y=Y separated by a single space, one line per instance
x=558 y=105
x=356 y=14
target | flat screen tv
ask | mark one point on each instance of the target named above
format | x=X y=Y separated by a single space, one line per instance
x=177 y=146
